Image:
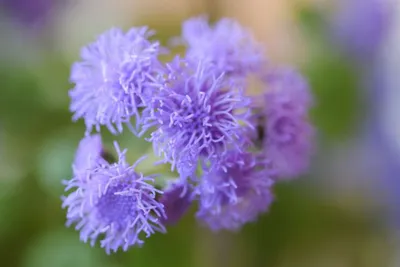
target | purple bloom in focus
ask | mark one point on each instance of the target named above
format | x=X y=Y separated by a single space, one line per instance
x=226 y=44
x=113 y=202
x=114 y=78
x=176 y=199
x=360 y=26
x=198 y=114
x=235 y=191
x=289 y=134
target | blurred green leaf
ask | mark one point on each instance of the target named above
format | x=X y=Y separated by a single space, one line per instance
x=338 y=100
x=19 y=99
x=11 y=205
x=148 y=165
x=175 y=248
x=333 y=78
x=54 y=160
x=52 y=77
x=301 y=220
x=62 y=248
x=312 y=20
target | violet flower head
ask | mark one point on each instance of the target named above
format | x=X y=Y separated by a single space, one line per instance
x=235 y=191
x=197 y=114
x=30 y=13
x=89 y=152
x=360 y=26
x=114 y=203
x=176 y=199
x=114 y=79
x=226 y=44
x=288 y=131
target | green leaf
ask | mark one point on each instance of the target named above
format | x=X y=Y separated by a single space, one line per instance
x=338 y=100
x=54 y=160
x=62 y=248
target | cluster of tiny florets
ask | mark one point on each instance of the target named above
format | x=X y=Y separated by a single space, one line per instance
x=113 y=79
x=112 y=201
x=229 y=46
x=197 y=116
x=227 y=148
x=235 y=190
x=287 y=142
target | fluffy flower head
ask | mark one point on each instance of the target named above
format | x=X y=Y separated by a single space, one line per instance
x=289 y=133
x=360 y=26
x=235 y=191
x=227 y=44
x=114 y=78
x=197 y=114
x=176 y=199
x=114 y=203
x=30 y=13
x=89 y=152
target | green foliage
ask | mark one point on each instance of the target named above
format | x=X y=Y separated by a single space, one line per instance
x=338 y=107
x=333 y=79
x=59 y=248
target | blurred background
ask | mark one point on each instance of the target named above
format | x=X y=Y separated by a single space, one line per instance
x=345 y=213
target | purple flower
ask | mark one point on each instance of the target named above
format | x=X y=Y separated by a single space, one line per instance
x=89 y=152
x=288 y=132
x=115 y=203
x=176 y=199
x=235 y=191
x=227 y=44
x=287 y=87
x=197 y=114
x=114 y=78
x=29 y=13
x=360 y=26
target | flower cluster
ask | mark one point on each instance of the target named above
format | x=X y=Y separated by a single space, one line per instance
x=227 y=149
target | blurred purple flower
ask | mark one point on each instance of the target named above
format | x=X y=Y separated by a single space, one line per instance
x=176 y=199
x=89 y=152
x=289 y=135
x=198 y=114
x=360 y=26
x=235 y=190
x=114 y=79
x=29 y=13
x=381 y=81
x=227 y=44
x=113 y=202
